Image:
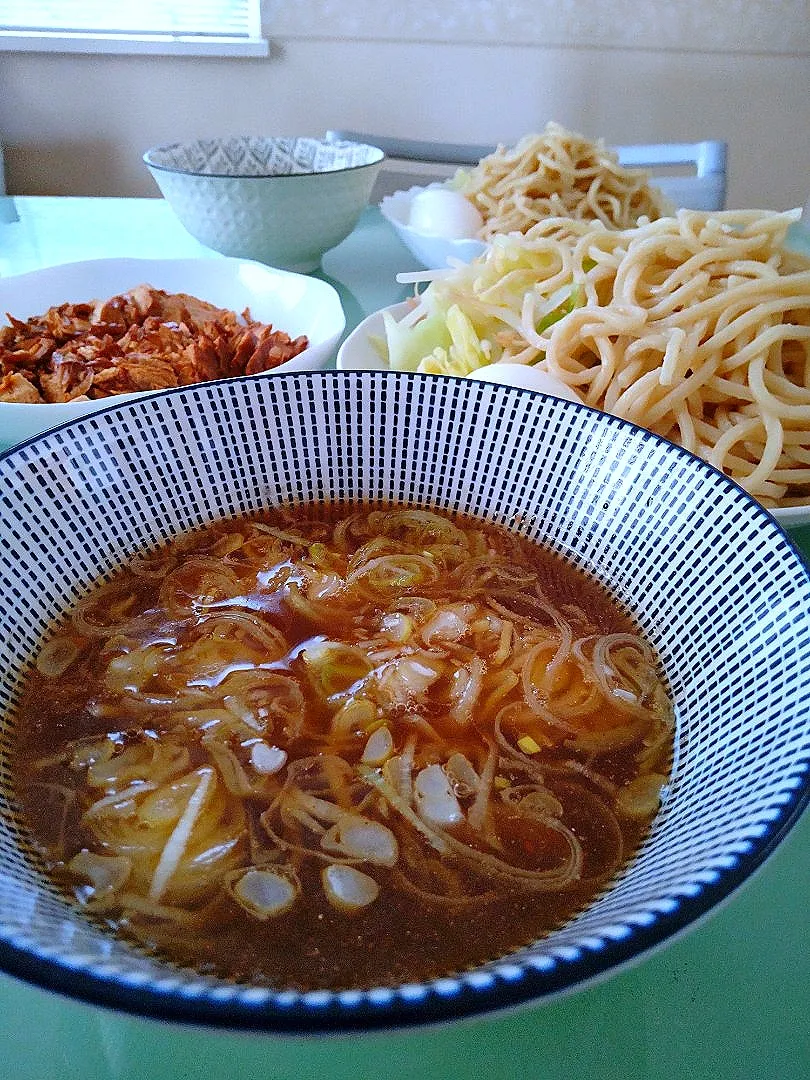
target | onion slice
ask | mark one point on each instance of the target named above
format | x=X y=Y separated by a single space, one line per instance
x=106 y=873
x=348 y=888
x=641 y=797
x=398 y=803
x=379 y=747
x=267 y=759
x=360 y=838
x=56 y=656
x=266 y=893
x=178 y=841
x=435 y=798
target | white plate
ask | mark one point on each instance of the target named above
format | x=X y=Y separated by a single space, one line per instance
x=433 y=252
x=291 y=302
x=358 y=354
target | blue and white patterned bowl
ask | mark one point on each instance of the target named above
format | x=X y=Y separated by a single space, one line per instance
x=281 y=201
x=715 y=584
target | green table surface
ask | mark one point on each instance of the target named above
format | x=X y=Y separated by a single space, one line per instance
x=728 y=999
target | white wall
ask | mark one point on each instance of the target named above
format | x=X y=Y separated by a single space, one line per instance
x=627 y=70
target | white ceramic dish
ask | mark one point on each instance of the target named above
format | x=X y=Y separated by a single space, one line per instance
x=433 y=252
x=291 y=302
x=357 y=353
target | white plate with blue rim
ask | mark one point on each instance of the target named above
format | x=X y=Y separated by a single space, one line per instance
x=711 y=580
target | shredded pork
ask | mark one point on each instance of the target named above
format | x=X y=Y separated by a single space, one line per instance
x=145 y=339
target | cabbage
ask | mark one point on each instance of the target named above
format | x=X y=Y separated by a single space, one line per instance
x=465 y=314
x=408 y=345
x=466 y=351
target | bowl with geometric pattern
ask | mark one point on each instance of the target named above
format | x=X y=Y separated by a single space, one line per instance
x=281 y=201
x=708 y=576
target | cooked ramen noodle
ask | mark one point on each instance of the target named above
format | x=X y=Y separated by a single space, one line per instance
x=334 y=750
x=695 y=326
x=558 y=174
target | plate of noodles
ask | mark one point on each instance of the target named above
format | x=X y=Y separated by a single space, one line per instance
x=557 y=173
x=695 y=326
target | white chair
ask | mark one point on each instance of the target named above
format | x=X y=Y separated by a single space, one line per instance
x=696 y=177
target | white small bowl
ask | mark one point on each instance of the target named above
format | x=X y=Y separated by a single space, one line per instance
x=433 y=252
x=291 y=302
x=283 y=201
x=357 y=353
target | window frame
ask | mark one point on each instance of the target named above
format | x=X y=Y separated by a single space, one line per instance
x=133 y=44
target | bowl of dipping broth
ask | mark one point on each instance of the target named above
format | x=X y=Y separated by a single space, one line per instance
x=282 y=201
x=316 y=658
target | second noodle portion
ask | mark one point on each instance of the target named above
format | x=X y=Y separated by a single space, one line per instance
x=558 y=174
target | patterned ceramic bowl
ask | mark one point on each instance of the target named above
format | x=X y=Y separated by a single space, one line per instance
x=282 y=201
x=714 y=583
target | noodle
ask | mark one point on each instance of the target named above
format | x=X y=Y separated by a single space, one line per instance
x=557 y=174
x=695 y=326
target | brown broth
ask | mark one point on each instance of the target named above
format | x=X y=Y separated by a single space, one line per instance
x=227 y=638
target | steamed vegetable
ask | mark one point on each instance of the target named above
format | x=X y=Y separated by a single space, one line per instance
x=490 y=310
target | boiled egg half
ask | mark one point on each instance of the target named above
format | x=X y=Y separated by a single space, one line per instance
x=525 y=377
x=440 y=211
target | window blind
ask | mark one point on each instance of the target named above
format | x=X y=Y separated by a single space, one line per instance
x=234 y=20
